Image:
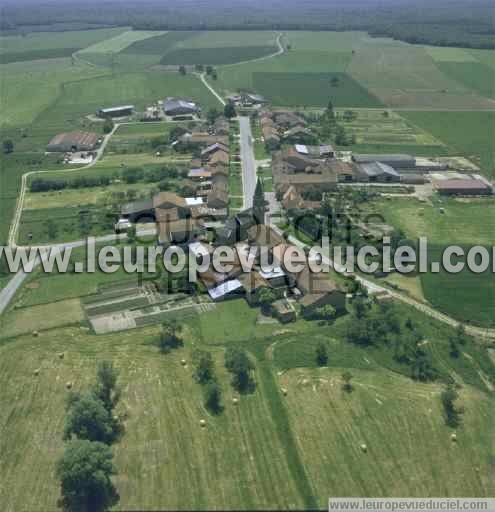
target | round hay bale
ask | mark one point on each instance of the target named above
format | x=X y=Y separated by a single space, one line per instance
x=36 y=334
x=202 y=423
x=453 y=438
x=36 y=372
x=61 y=355
x=284 y=391
x=235 y=401
x=364 y=448
x=183 y=362
x=68 y=385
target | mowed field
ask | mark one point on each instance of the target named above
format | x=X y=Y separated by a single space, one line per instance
x=290 y=446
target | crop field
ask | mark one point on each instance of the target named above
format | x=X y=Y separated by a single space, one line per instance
x=470 y=134
x=386 y=127
x=290 y=445
x=312 y=89
x=399 y=74
x=217 y=56
x=159 y=44
x=38 y=41
x=26 y=94
x=444 y=290
x=464 y=223
x=120 y=41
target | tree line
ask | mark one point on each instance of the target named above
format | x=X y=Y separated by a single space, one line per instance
x=91 y=427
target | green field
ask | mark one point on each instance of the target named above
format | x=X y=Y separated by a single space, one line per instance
x=37 y=41
x=312 y=89
x=159 y=44
x=120 y=41
x=216 y=56
x=478 y=77
x=470 y=134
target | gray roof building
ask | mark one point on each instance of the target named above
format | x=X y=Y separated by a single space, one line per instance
x=377 y=171
x=178 y=106
x=394 y=160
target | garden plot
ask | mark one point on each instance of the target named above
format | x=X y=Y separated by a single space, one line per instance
x=126 y=306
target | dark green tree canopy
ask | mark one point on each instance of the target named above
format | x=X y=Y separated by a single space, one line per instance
x=85 y=472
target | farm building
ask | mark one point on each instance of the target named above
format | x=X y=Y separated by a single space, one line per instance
x=73 y=141
x=325 y=151
x=377 y=172
x=179 y=107
x=463 y=187
x=397 y=161
x=120 y=111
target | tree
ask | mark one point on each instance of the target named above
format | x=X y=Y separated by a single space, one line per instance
x=329 y=112
x=452 y=413
x=321 y=354
x=346 y=382
x=265 y=297
x=8 y=146
x=108 y=125
x=182 y=70
x=85 y=471
x=326 y=312
x=209 y=70
x=106 y=388
x=212 y=115
x=361 y=307
x=334 y=82
x=170 y=337
x=87 y=418
x=204 y=370
x=229 y=110
x=240 y=366
x=340 y=136
x=213 y=397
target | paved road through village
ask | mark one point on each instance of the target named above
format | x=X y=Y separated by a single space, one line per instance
x=248 y=161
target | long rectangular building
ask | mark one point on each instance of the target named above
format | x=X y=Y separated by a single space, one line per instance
x=73 y=141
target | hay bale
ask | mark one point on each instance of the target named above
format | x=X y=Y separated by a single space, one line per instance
x=364 y=448
x=68 y=385
x=61 y=355
x=284 y=391
x=202 y=423
x=453 y=438
x=36 y=334
x=36 y=372
x=235 y=401
x=183 y=362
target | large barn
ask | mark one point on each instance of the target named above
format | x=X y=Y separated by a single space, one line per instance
x=73 y=141
x=179 y=107
x=120 y=111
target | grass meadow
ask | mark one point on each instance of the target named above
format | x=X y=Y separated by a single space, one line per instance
x=290 y=445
